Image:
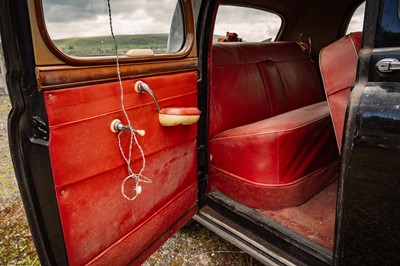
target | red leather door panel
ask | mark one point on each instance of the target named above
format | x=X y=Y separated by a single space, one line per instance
x=98 y=223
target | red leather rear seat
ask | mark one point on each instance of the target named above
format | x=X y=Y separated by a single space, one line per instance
x=272 y=142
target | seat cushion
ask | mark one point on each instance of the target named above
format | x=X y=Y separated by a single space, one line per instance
x=277 y=150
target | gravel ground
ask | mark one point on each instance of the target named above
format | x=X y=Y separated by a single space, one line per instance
x=192 y=245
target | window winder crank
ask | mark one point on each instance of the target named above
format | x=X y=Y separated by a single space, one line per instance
x=116 y=126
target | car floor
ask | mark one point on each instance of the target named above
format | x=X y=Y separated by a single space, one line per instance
x=315 y=219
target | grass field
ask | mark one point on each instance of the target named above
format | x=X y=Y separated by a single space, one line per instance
x=104 y=45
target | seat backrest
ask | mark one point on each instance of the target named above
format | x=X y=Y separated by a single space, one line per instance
x=338 y=65
x=254 y=81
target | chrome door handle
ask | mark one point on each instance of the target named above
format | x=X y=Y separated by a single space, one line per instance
x=388 y=65
x=141 y=87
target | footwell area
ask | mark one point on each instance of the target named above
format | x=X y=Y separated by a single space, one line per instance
x=315 y=219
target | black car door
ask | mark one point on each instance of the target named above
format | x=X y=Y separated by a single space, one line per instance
x=367 y=228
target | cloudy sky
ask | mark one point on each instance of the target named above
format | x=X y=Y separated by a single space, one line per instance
x=76 y=18
x=254 y=24
x=73 y=18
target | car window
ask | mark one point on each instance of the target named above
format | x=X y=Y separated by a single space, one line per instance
x=249 y=24
x=357 y=20
x=82 y=28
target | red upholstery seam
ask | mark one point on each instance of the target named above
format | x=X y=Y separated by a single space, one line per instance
x=267 y=133
x=263 y=185
x=267 y=93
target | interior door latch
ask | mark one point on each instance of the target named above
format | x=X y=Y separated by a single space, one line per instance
x=388 y=65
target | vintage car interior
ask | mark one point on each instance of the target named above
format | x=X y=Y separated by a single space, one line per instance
x=243 y=135
x=273 y=148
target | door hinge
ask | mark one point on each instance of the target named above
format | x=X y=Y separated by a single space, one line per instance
x=40 y=128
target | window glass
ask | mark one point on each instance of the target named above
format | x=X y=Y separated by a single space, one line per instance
x=357 y=20
x=251 y=25
x=82 y=27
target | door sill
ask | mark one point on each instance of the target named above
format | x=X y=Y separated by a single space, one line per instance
x=259 y=236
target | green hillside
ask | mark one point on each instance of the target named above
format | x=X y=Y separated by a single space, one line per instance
x=104 y=45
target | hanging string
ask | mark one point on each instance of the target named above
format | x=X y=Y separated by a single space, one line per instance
x=139 y=177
